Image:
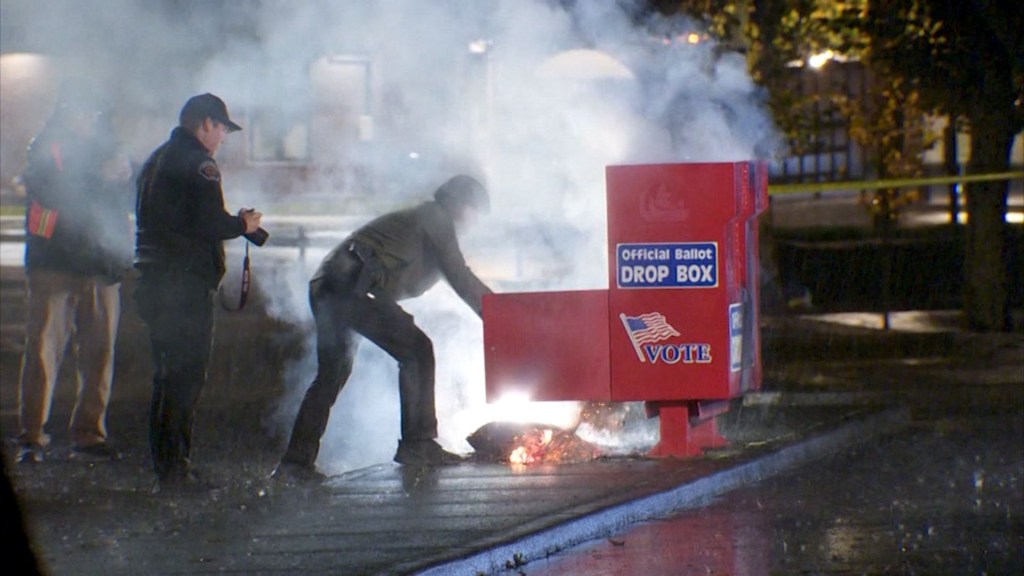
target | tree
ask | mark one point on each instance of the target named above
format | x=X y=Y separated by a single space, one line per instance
x=966 y=58
x=875 y=117
x=960 y=58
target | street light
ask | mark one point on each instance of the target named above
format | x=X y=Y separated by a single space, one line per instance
x=817 y=61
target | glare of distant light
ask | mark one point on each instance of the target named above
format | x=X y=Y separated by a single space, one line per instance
x=414 y=155
x=1012 y=217
x=820 y=59
x=479 y=46
x=916 y=321
x=939 y=218
x=693 y=38
x=20 y=65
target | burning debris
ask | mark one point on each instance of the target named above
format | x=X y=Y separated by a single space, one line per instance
x=530 y=444
x=534 y=443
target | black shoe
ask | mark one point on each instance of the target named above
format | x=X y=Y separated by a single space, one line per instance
x=424 y=453
x=182 y=484
x=295 y=473
x=101 y=452
x=30 y=453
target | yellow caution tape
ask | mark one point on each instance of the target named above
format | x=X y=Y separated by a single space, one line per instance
x=805 y=187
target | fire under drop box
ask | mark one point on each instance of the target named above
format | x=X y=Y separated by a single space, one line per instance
x=678 y=327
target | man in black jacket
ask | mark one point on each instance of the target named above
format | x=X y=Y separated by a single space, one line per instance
x=356 y=291
x=77 y=248
x=181 y=227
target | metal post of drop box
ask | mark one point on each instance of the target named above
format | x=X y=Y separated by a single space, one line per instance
x=687 y=428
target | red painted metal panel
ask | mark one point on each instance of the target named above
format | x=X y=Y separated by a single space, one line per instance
x=547 y=345
x=681 y=226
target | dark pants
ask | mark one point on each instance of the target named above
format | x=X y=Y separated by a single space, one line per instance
x=340 y=314
x=178 y=309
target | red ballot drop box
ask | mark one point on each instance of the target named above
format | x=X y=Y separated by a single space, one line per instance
x=677 y=326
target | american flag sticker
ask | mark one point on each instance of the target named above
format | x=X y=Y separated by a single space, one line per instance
x=647 y=329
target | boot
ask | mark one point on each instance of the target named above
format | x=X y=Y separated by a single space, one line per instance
x=424 y=453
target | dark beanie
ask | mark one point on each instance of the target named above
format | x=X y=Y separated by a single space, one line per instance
x=463 y=190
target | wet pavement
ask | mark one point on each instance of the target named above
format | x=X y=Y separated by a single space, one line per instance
x=876 y=452
x=945 y=496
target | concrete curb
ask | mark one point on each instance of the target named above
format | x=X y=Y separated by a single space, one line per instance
x=609 y=521
x=814 y=398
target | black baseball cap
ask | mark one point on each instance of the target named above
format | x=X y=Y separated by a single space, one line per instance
x=203 y=106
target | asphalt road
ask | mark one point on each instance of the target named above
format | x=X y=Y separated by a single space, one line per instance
x=944 y=497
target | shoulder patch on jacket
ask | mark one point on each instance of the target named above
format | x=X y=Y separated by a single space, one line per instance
x=209 y=170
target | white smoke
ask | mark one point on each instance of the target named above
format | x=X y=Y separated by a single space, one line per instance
x=426 y=90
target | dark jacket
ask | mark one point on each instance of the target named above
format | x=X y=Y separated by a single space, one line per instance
x=92 y=232
x=181 y=222
x=416 y=248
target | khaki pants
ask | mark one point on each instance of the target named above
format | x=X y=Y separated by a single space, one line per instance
x=63 y=306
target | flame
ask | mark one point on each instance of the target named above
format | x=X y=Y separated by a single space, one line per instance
x=519 y=456
x=549 y=445
x=533 y=447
